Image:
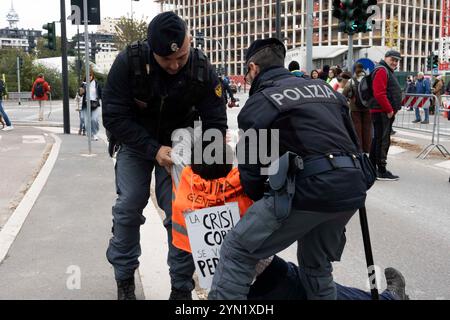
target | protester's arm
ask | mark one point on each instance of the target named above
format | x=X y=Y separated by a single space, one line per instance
x=257 y=114
x=211 y=106
x=119 y=115
x=380 y=82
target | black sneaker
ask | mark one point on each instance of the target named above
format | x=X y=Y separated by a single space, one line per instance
x=395 y=284
x=125 y=289
x=416 y=121
x=176 y=294
x=387 y=176
x=425 y=122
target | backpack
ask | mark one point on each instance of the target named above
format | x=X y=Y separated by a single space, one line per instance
x=355 y=93
x=39 y=89
x=365 y=89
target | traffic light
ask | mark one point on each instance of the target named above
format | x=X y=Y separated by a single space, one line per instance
x=345 y=11
x=20 y=62
x=435 y=62
x=50 y=36
x=430 y=62
x=352 y=15
x=200 y=37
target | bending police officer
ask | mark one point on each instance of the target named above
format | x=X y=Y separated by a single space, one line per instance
x=311 y=206
x=152 y=89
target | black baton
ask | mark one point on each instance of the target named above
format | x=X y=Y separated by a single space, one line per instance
x=368 y=252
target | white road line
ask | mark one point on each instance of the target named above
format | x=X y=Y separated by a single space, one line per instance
x=418 y=135
x=33 y=139
x=403 y=140
x=9 y=232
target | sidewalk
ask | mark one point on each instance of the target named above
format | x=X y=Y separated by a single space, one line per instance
x=66 y=233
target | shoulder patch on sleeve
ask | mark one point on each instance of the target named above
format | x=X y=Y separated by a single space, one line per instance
x=218 y=90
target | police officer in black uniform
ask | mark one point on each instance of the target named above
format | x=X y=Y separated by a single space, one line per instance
x=153 y=88
x=316 y=188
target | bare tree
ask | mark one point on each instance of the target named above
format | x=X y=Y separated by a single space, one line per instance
x=129 y=30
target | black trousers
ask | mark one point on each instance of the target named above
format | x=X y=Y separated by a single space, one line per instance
x=381 y=141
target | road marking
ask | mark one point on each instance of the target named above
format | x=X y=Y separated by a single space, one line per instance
x=33 y=139
x=394 y=150
x=12 y=227
x=418 y=135
x=445 y=164
x=403 y=140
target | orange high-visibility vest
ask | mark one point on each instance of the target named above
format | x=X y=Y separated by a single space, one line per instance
x=195 y=193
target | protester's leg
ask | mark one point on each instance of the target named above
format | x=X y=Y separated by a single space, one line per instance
x=133 y=174
x=181 y=263
x=4 y=115
x=258 y=235
x=349 y=293
x=315 y=252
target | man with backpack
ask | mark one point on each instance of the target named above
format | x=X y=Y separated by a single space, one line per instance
x=153 y=88
x=39 y=92
x=360 y=114
x=385 y=102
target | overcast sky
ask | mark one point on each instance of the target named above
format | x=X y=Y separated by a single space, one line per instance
x=35 y=13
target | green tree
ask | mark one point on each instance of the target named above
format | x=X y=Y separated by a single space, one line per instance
x=129 y=30
x=43 y=52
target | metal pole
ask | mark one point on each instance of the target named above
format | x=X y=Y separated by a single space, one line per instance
x=88 y=80
x=350 y=53
x=278 y=19
x=79 y=58
x=65 y=71
x=368 y=253
x=18 y=78
x=309 y=35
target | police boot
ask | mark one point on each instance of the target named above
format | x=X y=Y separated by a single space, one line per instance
x=125 y=289
x=395 y=283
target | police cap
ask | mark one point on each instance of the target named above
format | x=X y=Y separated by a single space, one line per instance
x=166 y=33
x=260 y=44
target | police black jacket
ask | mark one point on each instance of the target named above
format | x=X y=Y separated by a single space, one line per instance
x=146 y=125
x=310 y=119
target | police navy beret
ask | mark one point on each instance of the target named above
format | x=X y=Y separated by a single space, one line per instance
x=166 y=33
x=260 y=44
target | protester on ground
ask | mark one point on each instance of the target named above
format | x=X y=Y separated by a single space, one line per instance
x=40 y=92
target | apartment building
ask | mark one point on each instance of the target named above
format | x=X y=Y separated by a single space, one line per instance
x=411 y=26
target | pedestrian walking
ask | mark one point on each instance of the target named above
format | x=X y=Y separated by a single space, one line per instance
x=438 y=90
x=95 y=91
x=423 y=86
x=7 y=126
x=154 y=88
x=40 y=92
x=386 y=103
x=303 y=200
x=359 y=113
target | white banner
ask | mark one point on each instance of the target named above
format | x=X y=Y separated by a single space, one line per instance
x=207 y=229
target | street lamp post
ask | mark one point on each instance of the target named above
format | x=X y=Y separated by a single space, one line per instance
x=278 y=19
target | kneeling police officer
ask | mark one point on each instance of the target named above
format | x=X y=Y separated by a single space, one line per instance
x=154 y=88
x=318 y=187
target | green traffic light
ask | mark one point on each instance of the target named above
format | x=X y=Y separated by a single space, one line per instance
x=50 y=36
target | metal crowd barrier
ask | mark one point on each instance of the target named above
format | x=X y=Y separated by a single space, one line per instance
x=404 y=119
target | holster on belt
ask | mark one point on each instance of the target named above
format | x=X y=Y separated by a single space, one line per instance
x=282 y=184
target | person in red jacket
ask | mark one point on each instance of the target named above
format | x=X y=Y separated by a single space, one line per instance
x=386 y=103
x=39 y=92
